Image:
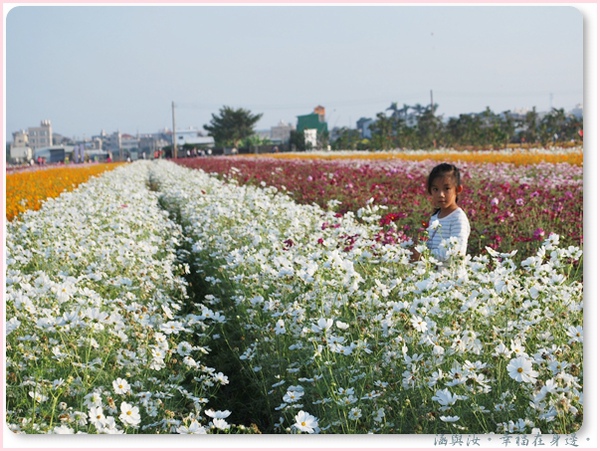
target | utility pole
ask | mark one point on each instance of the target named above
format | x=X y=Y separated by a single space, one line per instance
x=431 y=97
x=174 y=134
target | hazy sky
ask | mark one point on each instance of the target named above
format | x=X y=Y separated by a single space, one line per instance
x=93 y=68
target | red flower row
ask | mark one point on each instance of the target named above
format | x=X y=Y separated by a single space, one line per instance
x=509 y=207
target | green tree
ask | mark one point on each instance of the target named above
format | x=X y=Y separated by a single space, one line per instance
x=231 y=126
x=382 y=132
x=531 y=126
x=464 y=130
x=507 y=126
x=348 y=139
x=254 y=141
x=297 y=141
x=429 y=126
x=553 y=126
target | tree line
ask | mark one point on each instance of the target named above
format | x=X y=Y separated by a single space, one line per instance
x=413 y=127
x=419 y=127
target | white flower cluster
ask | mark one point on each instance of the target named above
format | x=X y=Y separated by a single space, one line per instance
x=95 y=300
x=349 y=335
x=323 y=305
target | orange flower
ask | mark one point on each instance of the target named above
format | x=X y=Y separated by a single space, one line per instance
x=27 y=190
x=516 y=156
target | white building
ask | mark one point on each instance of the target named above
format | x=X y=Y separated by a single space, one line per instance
x=281 y=132
x=20 y=154
x=129 y=142
x=40 y=136
x=310 y=138
x=193 y=136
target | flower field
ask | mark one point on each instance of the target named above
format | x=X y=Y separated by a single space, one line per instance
x=179 y=302
x=100 y=334
x=513 y=202
x=27 y=189
x=517 y=156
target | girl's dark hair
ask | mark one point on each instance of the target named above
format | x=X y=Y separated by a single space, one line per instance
x=440 y=170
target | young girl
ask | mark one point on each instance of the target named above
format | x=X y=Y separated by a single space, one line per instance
x=448 y=219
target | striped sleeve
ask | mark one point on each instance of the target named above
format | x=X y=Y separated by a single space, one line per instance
x=454 y=225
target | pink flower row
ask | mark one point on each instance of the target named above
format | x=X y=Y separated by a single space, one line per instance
x=509 y=207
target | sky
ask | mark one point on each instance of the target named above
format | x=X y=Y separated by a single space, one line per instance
x=120 y=68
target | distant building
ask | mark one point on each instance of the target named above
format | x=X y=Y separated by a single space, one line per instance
x=150 y=143
x=194 y=137
x=53 y=154
x=311 y=138
x=112 y=142
x=25 y=142
x=280 y=134
x=314 y=120
x=363 y=127
x=129 y=142
x=40 y=136
x=20 y=139
x=313 y=125
x=20 y=154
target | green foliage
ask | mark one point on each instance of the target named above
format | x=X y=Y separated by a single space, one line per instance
x=231 y=126
x=348 y=139
x=418 y=126
x=297 y=141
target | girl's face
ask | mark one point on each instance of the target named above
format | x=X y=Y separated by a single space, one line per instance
x=444 y=192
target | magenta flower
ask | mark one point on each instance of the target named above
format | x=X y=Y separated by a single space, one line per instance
x=538 y=234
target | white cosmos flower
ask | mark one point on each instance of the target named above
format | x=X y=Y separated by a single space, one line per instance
x=305 y=422
x=419 y=323
x=452 y=419
x=279 y=327
x=292 y=396
x=217 y=414
x=501 y=351
x=341 y=325
x=322 y=325
x=39 y=397
x=446 y=398
x=173 y=327
x=379 y=415
x=12 y=325
x=521 y=370
x=517 y=347
x=93 y=399
x=189 y=362
x=121 y=386
x=97 y=417
x=130 y=415
x=435 y=225
x=110 y=427
x=355 y=413
x=157 y=353
x=193 y=428
x=576 y=334
x=63 y=429
x=220 y=423
x=161 y=339
x=184 y=348
x=221 y=378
